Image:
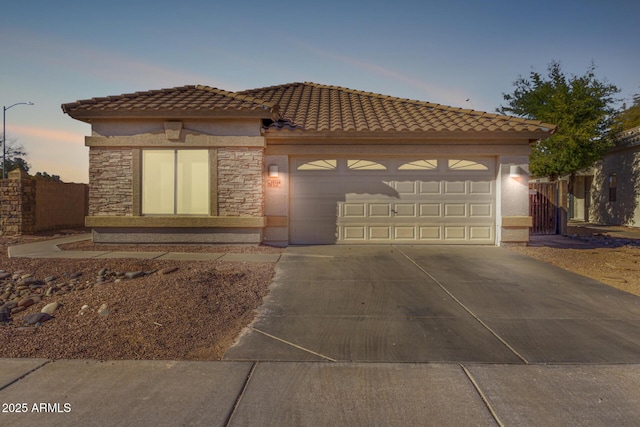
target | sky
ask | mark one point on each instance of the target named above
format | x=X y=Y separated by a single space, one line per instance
x=452 y=52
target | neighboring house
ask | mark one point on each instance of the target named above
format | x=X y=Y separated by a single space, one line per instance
x=303 y=163
x=615 y=187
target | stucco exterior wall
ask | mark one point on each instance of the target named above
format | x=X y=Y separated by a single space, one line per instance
x=240 y=182
x=512 y=204
x=110 y=181
x=207 y=127
x=277 y=201
x=625 y=210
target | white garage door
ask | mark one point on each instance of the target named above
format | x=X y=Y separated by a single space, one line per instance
x=423 y=201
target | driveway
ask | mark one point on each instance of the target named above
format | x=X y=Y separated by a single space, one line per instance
x=437 y=304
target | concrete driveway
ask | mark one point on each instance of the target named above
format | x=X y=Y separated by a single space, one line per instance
x=437 y=304
x=515 y=342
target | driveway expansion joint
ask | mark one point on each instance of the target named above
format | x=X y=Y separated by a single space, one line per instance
x=482 y=395
x=467 y=309
x=293 y=345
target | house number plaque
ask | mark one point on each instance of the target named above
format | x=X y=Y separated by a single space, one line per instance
x=274 y=183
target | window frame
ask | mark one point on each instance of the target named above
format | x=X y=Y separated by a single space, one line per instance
x=179 y=201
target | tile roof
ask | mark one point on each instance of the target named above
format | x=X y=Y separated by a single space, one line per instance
x=309 y=107
x=315 y=107
x=184 y=98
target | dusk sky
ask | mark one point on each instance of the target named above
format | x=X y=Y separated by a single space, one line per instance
x=438 y=51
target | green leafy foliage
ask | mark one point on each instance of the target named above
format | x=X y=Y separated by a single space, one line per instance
x=581 y=107
x=630 y=117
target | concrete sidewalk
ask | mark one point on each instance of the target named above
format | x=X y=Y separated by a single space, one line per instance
x=50 y=249
x=169 y=393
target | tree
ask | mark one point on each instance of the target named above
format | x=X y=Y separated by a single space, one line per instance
x=15 y=157
x=581 y=107
x=46 y=177
x=630 y=117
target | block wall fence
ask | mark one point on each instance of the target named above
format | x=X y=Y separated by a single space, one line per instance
x=29 y=205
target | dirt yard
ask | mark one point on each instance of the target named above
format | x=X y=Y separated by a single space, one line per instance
x=607 y=257
x=184 y=310
x=179 y=310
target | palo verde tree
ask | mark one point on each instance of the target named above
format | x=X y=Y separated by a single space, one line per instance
x=581 y=106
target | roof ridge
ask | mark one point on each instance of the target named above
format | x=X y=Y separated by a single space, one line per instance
x=236 y=95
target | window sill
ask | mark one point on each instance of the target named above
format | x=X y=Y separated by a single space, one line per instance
x=175 y=221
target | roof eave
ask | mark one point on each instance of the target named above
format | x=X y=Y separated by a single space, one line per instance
x=88 y=116
x=300 y=136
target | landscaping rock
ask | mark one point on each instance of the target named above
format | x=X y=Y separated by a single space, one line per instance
x=134 y=274
x=5 y=275
x=5 y=315
x=50 y=308
x=25 y=302
x=168 y=270
x=10 y=305
x=103 y=311
x=32 y=319
x=17 y=309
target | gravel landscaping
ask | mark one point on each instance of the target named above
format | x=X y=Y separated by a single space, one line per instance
x=612 y=260
x=126 y=308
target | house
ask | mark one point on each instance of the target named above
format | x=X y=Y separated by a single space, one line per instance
x=303 y=163
x=614 y=196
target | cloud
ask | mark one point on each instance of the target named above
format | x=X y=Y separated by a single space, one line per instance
x=50 y=134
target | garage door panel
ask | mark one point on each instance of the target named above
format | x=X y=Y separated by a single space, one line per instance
x=379 y=210
x=480 y=233
x=480 y=187
x=430 y=187
x=432 y=233
x=350 y=210
x=455 y=188
x=405 y=210
x=439 y=206
x=455 y=210
x=380 y=233
x=357 y=232
x=430 y=210
x=405 y=187
x=477 y=210
x=455 y=232
x=405 y=233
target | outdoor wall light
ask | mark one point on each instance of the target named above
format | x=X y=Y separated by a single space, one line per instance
x=273 y=171
x=514 y=171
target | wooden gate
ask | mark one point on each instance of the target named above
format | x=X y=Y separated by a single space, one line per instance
x=543 y=207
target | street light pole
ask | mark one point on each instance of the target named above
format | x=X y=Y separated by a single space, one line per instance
x=4 y=135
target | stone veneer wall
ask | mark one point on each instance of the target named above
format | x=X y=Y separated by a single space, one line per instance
x=240 y=187
x=110 y=182
x=18 y=210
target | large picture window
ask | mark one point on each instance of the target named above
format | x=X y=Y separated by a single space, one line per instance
x=175 y=182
